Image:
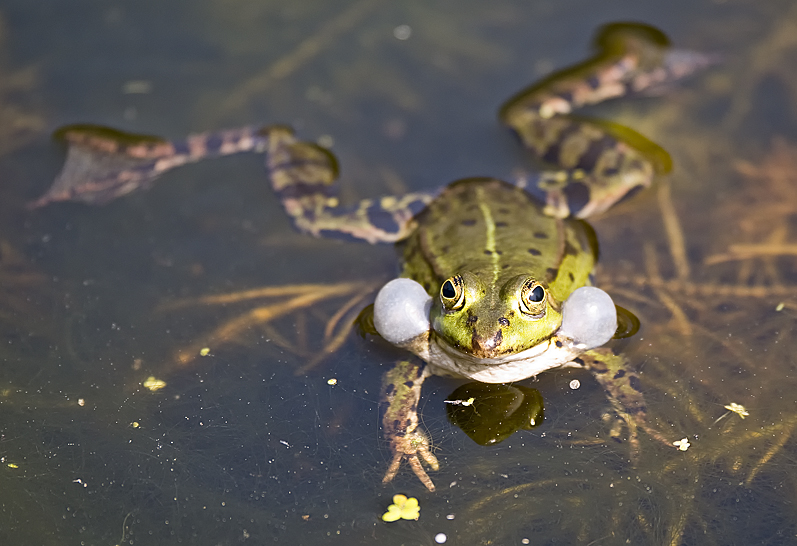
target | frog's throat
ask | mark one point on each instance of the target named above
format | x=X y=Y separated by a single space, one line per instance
x=447 y=360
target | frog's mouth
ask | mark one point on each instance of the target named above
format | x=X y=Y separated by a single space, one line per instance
x=506 y=368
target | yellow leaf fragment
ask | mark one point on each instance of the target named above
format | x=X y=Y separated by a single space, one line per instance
x=154 y=384
x=205 y=351
x=682 y=444
x=738 y=409
x=402 y=508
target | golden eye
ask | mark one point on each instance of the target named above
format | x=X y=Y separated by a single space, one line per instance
x=532 y=299
x=452 y=294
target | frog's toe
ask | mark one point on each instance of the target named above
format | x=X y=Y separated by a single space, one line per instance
x=392 y=470
x=623 y=420
x=428 y=457
x=411 y=445
x=415 y=464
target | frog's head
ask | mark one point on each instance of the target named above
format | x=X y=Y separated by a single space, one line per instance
x=404 y=313
x=489 y=322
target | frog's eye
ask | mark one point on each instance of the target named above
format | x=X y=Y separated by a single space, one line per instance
x=532 y=299
x=452 y=294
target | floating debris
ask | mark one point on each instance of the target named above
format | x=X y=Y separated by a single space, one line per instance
x=682 y=444
x=402 y=508
x=153 y=384
x=738 y=409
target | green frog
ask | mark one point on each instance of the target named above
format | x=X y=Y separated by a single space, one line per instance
x=495 y=286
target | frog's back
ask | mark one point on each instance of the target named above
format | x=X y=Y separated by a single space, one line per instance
x=497 y=230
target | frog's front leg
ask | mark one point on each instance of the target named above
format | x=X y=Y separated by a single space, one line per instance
x=401 y=390
x=304 y=177
x=623 y=389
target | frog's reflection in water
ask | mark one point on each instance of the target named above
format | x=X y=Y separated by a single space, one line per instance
x=491 y=413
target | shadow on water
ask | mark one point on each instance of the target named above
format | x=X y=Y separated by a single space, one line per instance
x=116 y=428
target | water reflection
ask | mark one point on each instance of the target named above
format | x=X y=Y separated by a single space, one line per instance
x=490 y=413
x=706 y=263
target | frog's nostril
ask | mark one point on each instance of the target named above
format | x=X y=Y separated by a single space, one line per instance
x=484 y=346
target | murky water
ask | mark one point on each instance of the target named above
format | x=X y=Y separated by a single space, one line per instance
x=253 y=442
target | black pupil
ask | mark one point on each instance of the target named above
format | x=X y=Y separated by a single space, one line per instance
x=448 y=290
x=536 y=294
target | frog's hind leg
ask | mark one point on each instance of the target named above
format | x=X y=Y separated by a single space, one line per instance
x=600 y=168
x=599 y=162
x=623 y=389
x=104 y=163
x=401 y=390
x=304 y=176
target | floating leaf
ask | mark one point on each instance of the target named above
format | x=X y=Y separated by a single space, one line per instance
x=402 y=508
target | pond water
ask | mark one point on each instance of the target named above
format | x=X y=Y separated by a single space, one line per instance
x=272 y=434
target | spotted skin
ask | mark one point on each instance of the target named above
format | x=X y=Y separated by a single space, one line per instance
x=594 y=163
x=497 y=221
x=401 y=392
x=304 y=177
x=598 y=159
x=103 y=164
x=623 y=388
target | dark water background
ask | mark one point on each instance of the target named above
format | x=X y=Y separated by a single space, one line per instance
x=238 y=448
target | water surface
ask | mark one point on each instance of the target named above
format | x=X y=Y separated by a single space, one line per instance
x=240 y=447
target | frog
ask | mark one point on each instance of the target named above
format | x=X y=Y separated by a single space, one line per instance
x=495 y=283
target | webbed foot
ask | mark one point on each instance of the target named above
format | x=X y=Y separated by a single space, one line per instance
x=411 y=445
x=623 y=390
x=401 y=389
x=104 y=163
